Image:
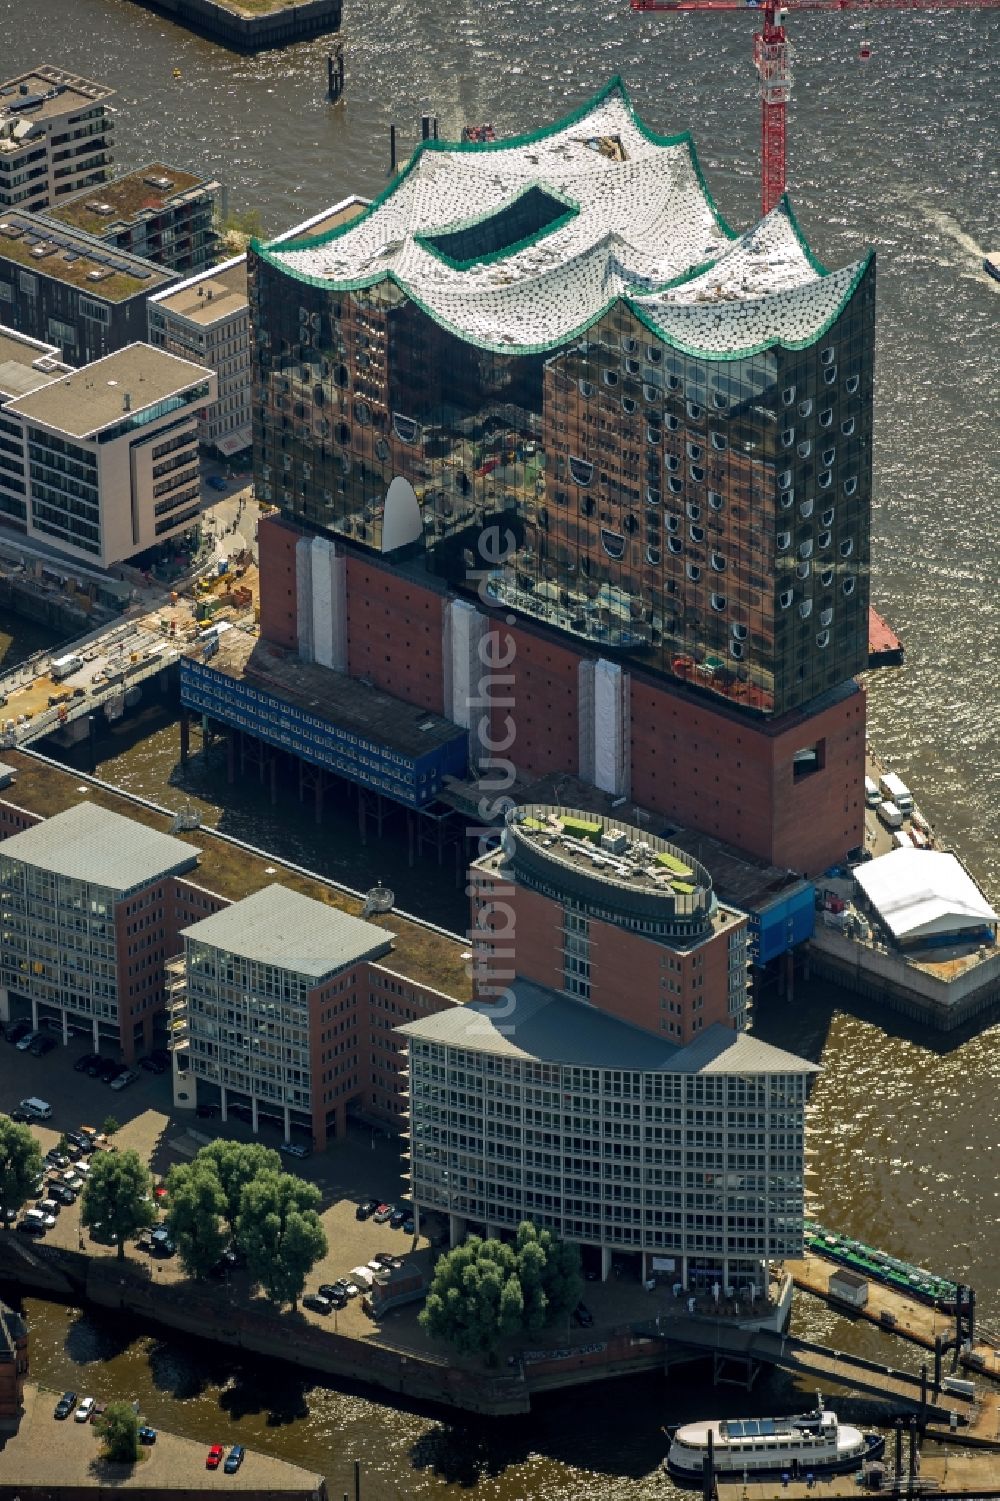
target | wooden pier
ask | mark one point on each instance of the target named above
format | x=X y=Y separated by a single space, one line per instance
x=897 y=1314
x=938 y=1475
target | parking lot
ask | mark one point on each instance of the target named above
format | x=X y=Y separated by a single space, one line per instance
x=365 y=1165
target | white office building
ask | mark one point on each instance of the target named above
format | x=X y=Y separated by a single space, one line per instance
x=102 y=463
x=56 y=136
x=206 y=319
x=686 y=1160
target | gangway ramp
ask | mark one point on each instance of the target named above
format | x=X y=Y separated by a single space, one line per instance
x=902 y=1389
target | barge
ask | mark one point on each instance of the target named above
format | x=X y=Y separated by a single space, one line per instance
x=867 y=1261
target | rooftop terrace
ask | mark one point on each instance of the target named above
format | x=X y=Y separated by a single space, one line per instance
x=147 y=190
x=418 y=953
x=57 y=91
x=72 y=257
x=609 y=850
x=19 y=363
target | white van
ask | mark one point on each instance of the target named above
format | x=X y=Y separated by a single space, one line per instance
x=872 y=795
x=64 y=667
x=40 y=1109
x=896 y=790
x=890 y=814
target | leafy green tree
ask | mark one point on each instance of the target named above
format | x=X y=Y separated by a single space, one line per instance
x=118 y=1426
x=476 y=1297
x=196 y=1206
x=118 y=1196
x=110 y=1125
x=237 y=1164
x=551 y=1269
x=279 y=1231
x=20 y=1163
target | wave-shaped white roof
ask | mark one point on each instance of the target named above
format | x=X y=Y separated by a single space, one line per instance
x=923 y=893
x=637 y=222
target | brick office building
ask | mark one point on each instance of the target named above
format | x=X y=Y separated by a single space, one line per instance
x=523 y=342
x=616 y=917
x=13 y=1367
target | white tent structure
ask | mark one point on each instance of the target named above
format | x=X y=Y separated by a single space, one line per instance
x=924 y=895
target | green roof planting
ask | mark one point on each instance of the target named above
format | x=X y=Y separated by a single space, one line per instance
x=520 y=245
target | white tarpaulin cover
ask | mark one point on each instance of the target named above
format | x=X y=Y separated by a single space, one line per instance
x=923 y=893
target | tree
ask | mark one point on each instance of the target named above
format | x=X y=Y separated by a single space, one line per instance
x=20 y=1163
x=485 y=1290
x=110 y=1125
x=118 y=1196
x=118 y=1426
x=236 y=1164
x=476 y=1297
x=279 y=1231
x=196 y=1206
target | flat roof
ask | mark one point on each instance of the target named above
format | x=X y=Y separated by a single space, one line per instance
x=345 y=702
x=576 y=839
x=68 y=255
x=290 y=931
x=421 y=953
x=91 y=843
x=87 y=400
x=125 y=199
x=211 y=296
x=19 y=358
x=7 y=774
x=59 y=92
x=327 y=219
x=544 y=1026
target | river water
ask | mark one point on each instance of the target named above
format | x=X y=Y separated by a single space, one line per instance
x=899 y=152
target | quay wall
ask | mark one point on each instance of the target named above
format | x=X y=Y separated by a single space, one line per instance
x=244 y=33
x=888 y=980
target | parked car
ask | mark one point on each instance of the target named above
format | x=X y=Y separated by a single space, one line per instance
x=79 y=1139
x=351 y=1289
x=39 y=1217
x=208 y=1112
x=583 y=1316
x=216 y=482
x=61 y=1194
x=160 y=1055
x=96 y=1066
x=383 y=1214
x=8 y=1216
x=65 y=1405
x=366 y=1209
x=152 y=1065
x=213 y=1458
x=30 y=1227
x=162 y=1244
x=22 y=1117
x=147 y=1435
x=25 y=1041
x=128 y=1077
x=294 y=1149
x=317 y=1303
x=398 y=1218
x=112 y=1071
x=72 y=1179
x=408 y=1226
x=98 y=1411
x=83 y=1412
x=42 y=1045
x=47 y=1206
x=17 y=1030
x=234 y=1459
x=82 y=1064
x=58 y=1159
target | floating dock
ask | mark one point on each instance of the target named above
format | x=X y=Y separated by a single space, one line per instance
x=877 y=1266
x=884 y=647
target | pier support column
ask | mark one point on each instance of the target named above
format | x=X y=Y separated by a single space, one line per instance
x=274 y=780
x=65 y=1027
x=254 y=1123
x=231 y=756
x=456 y=1230
x=899 y=1449
x=288 y=1122
x=938 y=1353
x=911 y=1477
x=34 y=1016
x=972 y=1316
x=789 y=964
x=97 y=1037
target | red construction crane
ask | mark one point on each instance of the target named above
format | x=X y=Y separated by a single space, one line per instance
x=770 y=55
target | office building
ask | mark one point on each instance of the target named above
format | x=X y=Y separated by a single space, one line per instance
x=617 y=917
x=544 y=1108
x=63 y=287
x=206 y=319
x=556 y=343
x=13 y=1367
x=91 y=905
x=158 y=212
x=274 y=989
x=25 y=364
x=56 y=137
x=102 y=463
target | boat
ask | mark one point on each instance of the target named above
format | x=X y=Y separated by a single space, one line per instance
x=479 y=135
x=877 y=1266
x=813 y=1443
x=991 y=265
